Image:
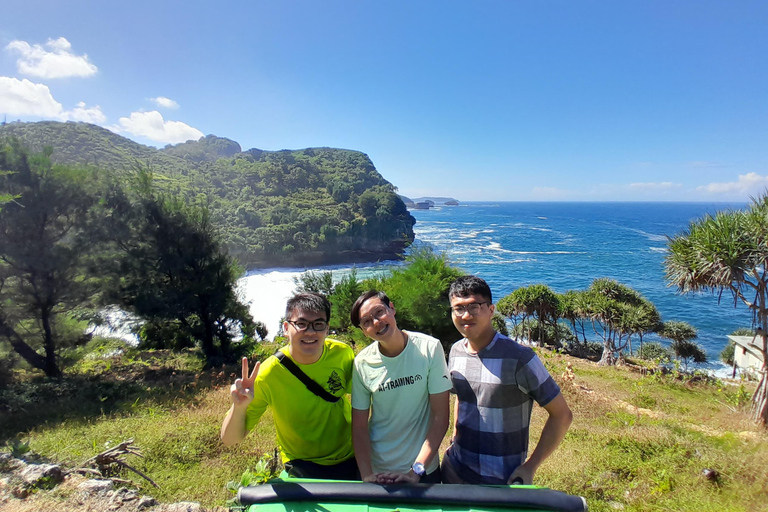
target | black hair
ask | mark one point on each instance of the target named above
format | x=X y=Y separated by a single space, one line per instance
x=308 y=302
x=354 y=315
x=466 y=286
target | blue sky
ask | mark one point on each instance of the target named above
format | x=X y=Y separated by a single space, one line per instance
x=499 y=100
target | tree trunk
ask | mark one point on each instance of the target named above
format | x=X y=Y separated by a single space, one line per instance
x=607 y=359
x=51 y=368
x=760 y=400
x=22 y=348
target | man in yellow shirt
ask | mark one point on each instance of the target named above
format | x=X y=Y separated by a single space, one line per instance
x=312 y=417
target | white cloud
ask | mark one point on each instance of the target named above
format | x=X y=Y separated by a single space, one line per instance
x=162 y=101
x=56 y=62
x=84 y=114
x=152 y=126
x=23 y=98
x=746 y=184
x=663 y=186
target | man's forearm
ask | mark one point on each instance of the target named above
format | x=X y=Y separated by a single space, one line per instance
x=552 y=434
x=438 y=426
x=455 y=417
x=361 y=442
x=233 y=428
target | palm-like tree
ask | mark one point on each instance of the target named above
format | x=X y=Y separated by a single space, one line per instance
x=728 y=252
x=682 y=335
x=535 y=300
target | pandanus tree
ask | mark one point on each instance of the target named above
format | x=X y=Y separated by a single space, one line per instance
x=538 y=301
x=613 y=307
x=682 y=335
x=727 y=252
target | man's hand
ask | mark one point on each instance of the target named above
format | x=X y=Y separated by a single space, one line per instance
x=396 y=478
x=242 y=390
x=523 y=474
x=405 y=478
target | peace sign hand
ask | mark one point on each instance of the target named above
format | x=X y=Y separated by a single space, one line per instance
x=242 y=389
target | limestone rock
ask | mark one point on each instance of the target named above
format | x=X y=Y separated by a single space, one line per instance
x=33 y=474
x=95 y=486
x=146 y=502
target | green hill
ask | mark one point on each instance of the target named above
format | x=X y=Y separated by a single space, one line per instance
x=274 y=208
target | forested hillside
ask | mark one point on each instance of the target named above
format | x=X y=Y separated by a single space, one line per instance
x=302 y=207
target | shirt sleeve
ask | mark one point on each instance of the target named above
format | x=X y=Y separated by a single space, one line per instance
x=348 y=366
x=439 y=379
x=534 y=380
x=257 y=406
x=361 y=395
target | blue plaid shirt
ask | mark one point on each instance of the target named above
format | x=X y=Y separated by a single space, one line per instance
x=496 y=389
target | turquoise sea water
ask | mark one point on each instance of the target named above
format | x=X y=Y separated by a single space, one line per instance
x=568 y=245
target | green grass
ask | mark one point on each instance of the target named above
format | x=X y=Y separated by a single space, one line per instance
x=638 y=441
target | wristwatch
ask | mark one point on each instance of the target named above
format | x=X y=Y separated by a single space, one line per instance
x=418 y=468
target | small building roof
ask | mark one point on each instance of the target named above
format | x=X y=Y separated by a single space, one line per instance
x=752 y=344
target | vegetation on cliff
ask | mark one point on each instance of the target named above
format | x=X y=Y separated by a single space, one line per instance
x=303 y=207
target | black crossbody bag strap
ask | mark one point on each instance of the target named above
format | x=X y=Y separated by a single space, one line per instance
x=309 y=383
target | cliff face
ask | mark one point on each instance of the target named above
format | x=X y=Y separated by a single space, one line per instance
x=273 y=208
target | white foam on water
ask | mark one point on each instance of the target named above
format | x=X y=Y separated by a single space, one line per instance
x=658 y=249
x=266 y=291
x=118 y=324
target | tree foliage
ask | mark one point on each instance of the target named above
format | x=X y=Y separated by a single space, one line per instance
x=537 y=301
x=44 y=255
x=682 y=335
x=170 y=269
x=420 y=293
x=728 y=252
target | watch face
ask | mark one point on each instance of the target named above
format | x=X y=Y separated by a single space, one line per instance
x=418 y=468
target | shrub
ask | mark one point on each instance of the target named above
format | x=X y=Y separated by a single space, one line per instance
x=654 y=351
x=728 y=353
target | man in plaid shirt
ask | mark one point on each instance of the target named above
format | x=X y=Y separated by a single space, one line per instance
x=496 y=382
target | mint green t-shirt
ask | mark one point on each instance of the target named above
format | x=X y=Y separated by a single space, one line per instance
x=308 y=427
x=397 y=390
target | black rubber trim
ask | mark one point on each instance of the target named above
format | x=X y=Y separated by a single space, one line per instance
x=414 y=494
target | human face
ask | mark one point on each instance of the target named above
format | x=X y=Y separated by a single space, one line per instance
x=474 y=327
x=306 y=345
x=377 y=320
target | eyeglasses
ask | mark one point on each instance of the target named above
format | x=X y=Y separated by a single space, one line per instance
x=377 y=313
x=303 y=325
x=472 y=308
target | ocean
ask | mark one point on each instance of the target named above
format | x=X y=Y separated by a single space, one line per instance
x=563 y=245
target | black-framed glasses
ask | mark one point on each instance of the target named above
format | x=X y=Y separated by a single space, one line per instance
x=472 y=308
x=378 y=313
x=303 y=325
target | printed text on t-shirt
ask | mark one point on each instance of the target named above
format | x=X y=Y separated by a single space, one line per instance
x=396 y=383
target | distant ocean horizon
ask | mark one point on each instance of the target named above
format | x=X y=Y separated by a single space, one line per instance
x=563 y=245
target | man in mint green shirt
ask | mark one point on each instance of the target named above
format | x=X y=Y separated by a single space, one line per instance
x=313 y=432
x=402 y=381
